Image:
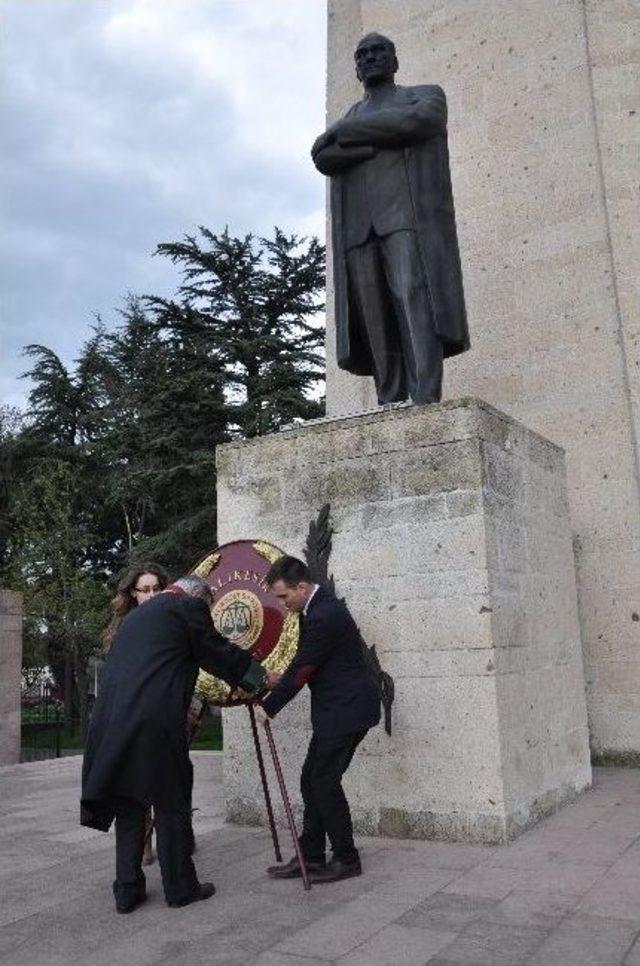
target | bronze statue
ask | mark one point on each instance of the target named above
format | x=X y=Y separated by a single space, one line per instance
x=399 y=301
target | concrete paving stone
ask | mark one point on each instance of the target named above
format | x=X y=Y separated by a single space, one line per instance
x=397 y=945
x=618 y=897
x=412 y=883
x=91 y=931
x=556 y=875
x=345 y=929
x=66 y=933
x=16 y=863
x=527 y=908
x=494 y=882
x=435 y=855
x=439 y=961
x=534 y=849
x=80 y=834
x=633 y=956
x=62 y=914
x=601 y=843
x=445 y=911
x=270 y=958
x=452 y=855
x=615 y=785
x=577 y=815
x=621 y=819
x=203 y=951
x=258 y=921
x=496 y=944
x=34 y=896
x=200 y=954
x=586 y=941
x=629 y=862
x=591 y=847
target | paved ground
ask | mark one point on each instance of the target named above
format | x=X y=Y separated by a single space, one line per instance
x=566 y=894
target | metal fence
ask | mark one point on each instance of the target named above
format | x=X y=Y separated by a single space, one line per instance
x=42 y=723
x=45 y=734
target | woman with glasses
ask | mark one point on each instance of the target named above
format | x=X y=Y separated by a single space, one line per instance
x=136 y=587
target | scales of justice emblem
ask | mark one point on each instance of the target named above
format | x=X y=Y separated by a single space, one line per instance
x=246 y=612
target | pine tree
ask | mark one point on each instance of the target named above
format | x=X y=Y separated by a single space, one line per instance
x=167 y=416
x=114 y=459
x=258 y=299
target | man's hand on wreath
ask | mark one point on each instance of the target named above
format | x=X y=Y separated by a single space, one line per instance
x=261 y=715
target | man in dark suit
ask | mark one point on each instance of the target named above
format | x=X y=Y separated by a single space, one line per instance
x=399 y=301
x=344 y=705
x=137 y=753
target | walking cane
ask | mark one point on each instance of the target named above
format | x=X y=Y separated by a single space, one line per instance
x=265 y=787
x=287 y=806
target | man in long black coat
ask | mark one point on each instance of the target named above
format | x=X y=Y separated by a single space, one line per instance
x=344 y=704
x=399 y=301
x=137 y=753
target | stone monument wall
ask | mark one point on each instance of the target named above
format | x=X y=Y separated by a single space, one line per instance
x=452 y=548
x=10 y=675
x=544 y=137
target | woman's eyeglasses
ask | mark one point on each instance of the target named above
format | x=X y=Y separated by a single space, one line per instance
x=147 y=590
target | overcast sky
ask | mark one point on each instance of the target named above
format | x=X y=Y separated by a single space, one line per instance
x=129 y=122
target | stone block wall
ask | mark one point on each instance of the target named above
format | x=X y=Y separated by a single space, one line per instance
x=452 y=548
x=10 y=675
x=544 y=133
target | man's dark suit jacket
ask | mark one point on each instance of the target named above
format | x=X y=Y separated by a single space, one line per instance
x=137 y=741
x=330 y=659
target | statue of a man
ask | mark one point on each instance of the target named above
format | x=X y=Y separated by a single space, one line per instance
x=399 y=301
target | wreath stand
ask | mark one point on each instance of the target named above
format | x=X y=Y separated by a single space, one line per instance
x=265 y=788
x=283 y=792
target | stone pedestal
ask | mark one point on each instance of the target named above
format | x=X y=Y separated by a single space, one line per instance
x=543 y=136
x=452 y=547
x=10 y=675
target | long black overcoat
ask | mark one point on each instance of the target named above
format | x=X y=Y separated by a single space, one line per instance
x=137 y=740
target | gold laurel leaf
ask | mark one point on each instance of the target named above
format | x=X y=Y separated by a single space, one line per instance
x=284 y=651
x=268 y=551
x=211 y=689
x=205 y=566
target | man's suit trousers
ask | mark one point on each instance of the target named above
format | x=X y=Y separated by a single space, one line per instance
x=326 y=809
x=174 y=835
x=389 y=291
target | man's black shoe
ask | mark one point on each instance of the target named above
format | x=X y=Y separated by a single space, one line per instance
x=205 y=891
x=291 y=869
x=126 y=907
x=336 y=870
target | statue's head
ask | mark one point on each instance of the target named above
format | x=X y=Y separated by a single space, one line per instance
x=376 y=60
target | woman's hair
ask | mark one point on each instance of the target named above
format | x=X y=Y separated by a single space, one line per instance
x=124 y=600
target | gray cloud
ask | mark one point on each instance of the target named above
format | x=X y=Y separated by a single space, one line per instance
x=130 y=122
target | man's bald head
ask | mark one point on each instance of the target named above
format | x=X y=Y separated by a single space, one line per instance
x=376 y=60
x=376 y=38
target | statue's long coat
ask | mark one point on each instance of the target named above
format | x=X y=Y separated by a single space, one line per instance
x=416 y=110
x=137 y=740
